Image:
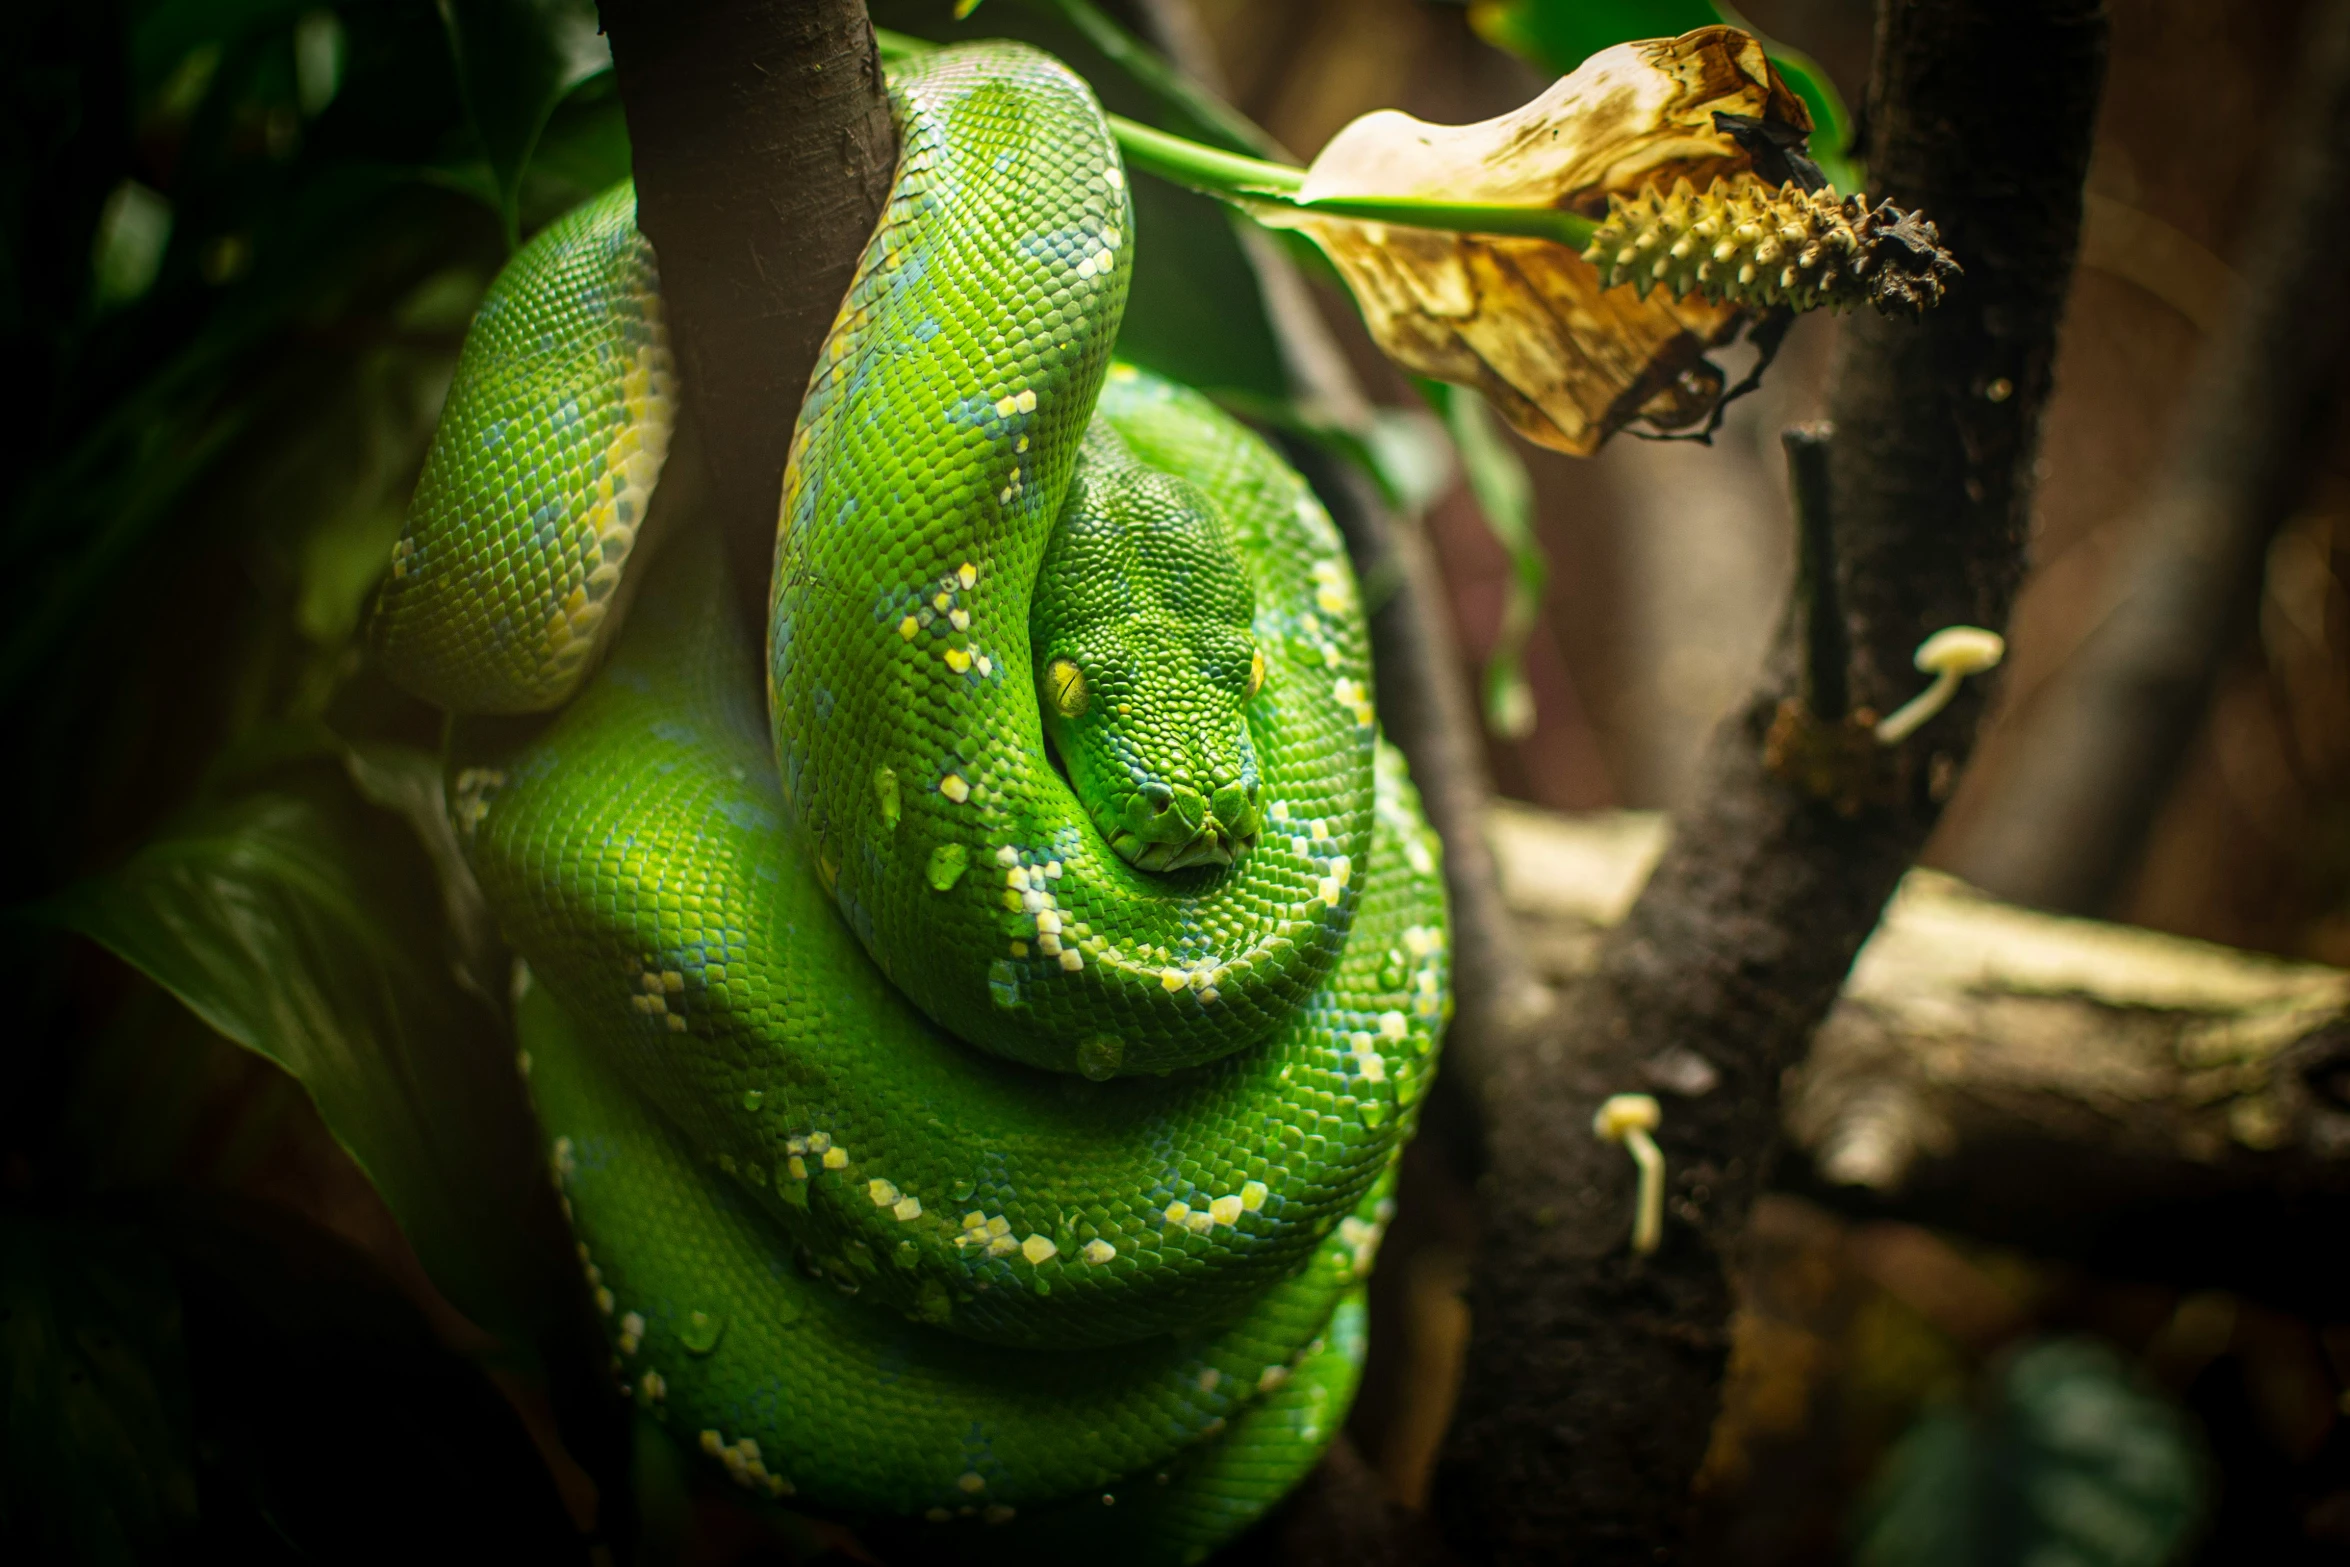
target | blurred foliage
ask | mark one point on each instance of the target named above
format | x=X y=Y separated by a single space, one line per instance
x=1505 y=496
x=290 y=920
x=2068 y=1461
x=98 y=1463
x=209 y=1380
x=239 y=244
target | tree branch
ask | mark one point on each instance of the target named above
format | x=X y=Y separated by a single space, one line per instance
x=2151 y=1107
x=2072 y=814
x=1593 y=1376
x=764 y=149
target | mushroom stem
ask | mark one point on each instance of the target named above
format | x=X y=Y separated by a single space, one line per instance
x=1949 y=655
x=1906 y=719
x=1628 y=1119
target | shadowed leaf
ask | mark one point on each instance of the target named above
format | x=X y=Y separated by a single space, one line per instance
x=98 y=1463
x=307 y=927
x=515 y=60
x=2072 y=1462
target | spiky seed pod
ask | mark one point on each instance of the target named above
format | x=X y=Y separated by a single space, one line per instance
x=1744 y=242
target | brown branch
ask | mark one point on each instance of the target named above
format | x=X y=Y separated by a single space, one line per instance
x=2103 y=746
x=2147 y=1106
x=764 y=149
x=1593 y=1376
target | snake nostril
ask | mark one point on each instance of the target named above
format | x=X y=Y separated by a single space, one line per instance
x=1159 y=795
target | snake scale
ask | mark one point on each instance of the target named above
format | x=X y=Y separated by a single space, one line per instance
x=973 y=1066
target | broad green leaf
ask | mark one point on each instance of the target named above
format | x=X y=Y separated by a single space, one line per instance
x=2072 y=1463
x=307 y=926
x=515 y=60
x=98 y=1463
x=583 y=151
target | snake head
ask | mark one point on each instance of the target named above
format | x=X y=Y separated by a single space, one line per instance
x=1146 y=664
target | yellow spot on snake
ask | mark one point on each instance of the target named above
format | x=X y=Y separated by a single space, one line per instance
x=907 y=1209
x=968 y=574
x=1025 y=402
x=883 y=1193
x=957 y=660
x=1177 y=1212
x=1038 y=1249
x=836 y=1158
x=1098 y=1252
x=953 y=787
x=908 y=627
x=1225 y=1210
x=1252 y=1196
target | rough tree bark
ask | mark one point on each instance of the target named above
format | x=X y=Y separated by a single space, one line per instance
x=2148 y=1106
x=2106 y=741
x=1593 y=1375
x=763 y=147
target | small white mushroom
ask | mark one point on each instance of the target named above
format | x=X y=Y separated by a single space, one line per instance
x=1949 y=655
x=1628 y=1119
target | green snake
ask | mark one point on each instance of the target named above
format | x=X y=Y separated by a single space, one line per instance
x=974 y=1066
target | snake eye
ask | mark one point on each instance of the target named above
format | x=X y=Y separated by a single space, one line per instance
x=1064 y=687
x=1256 y=674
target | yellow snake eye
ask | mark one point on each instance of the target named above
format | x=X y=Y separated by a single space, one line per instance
x=1064 y=687
x=1256 y=674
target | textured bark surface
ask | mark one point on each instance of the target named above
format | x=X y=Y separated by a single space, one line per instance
x=2153 y=1107
x=1593 y=1376
x=2105 y=743
x=764 y=149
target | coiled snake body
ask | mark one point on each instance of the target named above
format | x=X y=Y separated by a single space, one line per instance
x=975 y=1076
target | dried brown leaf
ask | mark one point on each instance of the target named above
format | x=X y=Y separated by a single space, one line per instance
x=1527 y=321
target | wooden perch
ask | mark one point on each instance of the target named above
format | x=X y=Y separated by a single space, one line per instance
x=2031 y=1077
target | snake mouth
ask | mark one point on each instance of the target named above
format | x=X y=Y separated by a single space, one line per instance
x=1154 y=835
x=1208 y=846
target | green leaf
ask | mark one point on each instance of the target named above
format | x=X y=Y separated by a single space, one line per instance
x=98 y=1463
x=1505 y=498
x=2073 y=1462
x=515 y=61
x=301 y=923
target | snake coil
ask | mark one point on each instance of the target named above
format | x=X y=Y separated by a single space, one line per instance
x=957 y=1124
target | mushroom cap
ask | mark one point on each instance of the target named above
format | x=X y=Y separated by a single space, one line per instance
x=1960 y=650
x=1623 y=1113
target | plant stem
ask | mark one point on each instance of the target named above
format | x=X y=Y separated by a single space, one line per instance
x=1270 y=191
x=1203 y=168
